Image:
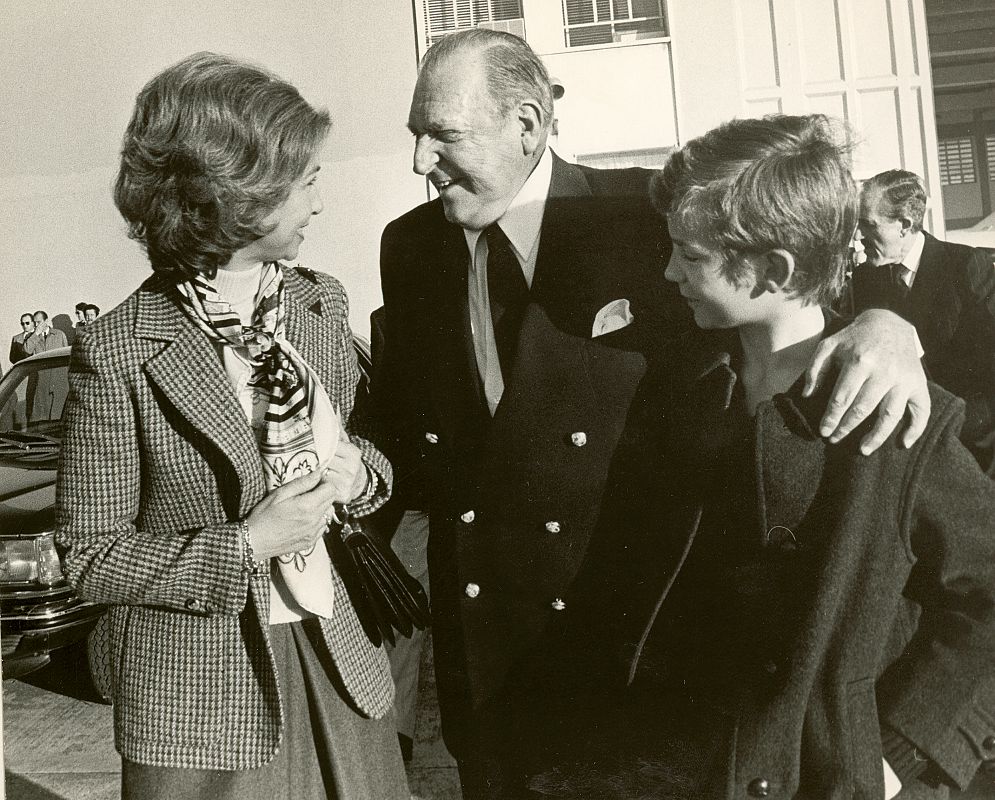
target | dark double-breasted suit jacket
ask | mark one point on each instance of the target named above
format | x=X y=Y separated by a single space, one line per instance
x=158 y=466
x=952 y=305
x=515 y=500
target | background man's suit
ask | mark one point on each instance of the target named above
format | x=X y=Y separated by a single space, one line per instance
x=515 y=500
x=952 y=305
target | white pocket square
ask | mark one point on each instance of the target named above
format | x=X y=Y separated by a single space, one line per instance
x=612 y=317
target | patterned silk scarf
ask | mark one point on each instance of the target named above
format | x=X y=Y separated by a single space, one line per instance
x=285 y=385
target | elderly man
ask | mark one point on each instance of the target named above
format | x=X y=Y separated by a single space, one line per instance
x=946 y=290
x=522 y=307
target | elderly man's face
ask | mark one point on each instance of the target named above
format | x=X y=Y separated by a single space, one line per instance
x=886 y=240
x=475 y=157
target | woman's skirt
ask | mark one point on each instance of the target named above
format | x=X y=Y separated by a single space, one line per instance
x=327 y=750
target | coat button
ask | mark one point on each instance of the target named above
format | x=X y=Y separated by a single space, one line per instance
x=770 y=667
x=471 y=590
x=558 y=604
x=432 y=438
x=988 y=743
x=578 y=439
x=553 y=526
x=192 y=604
x=759 y=787
x=467 y=516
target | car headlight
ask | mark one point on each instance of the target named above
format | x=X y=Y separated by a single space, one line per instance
x=30 y=560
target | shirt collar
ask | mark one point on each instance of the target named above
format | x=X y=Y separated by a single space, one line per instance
x=522 y=221
x=912 y=258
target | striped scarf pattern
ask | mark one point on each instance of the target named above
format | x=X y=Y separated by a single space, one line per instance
x=285 y=384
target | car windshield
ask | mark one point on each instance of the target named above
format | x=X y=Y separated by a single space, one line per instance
x=32 y=396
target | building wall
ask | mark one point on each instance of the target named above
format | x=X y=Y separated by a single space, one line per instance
x=71 y=71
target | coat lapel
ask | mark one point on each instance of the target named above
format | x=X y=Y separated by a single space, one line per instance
x=190 y=374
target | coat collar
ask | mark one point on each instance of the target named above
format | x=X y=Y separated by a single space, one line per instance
x=190 y=373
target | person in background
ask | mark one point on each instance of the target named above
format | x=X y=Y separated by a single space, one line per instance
x=44 y=337
x=209 y=438
x=90 y=313
x=522 y=308
x=946 y=290
x=81 y=314
x=17 y=350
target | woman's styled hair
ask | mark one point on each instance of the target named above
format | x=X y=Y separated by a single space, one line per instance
x=752 y=185
x=514 y=72
x=213 y=146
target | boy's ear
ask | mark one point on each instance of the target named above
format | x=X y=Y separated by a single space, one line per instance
x=778 y=267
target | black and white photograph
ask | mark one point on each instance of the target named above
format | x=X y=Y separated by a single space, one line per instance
x=497 y=400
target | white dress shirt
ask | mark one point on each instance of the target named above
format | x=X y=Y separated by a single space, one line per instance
x=522 y=224
x=910 y=261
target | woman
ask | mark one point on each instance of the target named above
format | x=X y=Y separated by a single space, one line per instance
x=796 y=620
x=209 y=436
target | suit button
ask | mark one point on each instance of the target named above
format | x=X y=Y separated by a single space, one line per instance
x=558 y=604
x=432 y=438
x=770 y=667
x=467 y=516
x=988 y=743
x=578 y=439
x=471 y=590
x=759 y=787
x=192 y=604
x=553 y=526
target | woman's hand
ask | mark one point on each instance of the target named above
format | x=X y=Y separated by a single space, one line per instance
x=292 y=516
x=345 y=473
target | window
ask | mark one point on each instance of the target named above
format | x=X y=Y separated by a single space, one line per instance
x=956 y=161
x=589 y=22
x=443 y=17
x=990 y=155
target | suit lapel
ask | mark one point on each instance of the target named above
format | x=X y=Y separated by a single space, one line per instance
x=190 y=374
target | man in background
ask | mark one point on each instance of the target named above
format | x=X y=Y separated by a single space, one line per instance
x=90 y=313
x=946 y=290
x=17 y=351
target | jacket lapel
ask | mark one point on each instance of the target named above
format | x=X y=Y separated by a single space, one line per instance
x=190 y=374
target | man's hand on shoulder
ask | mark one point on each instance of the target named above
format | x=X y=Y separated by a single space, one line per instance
x=877 y=359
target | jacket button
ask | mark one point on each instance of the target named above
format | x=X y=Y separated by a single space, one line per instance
x=770 y=667
x=553 y=526
x=988 y=743
x=558 y=604
x=467 y=516
x=432 y=438
x=192 y=604
x=471 y=590
x=759 y=787
x=578 y=439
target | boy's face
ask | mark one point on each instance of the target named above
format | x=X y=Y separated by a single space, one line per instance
x=715 y=300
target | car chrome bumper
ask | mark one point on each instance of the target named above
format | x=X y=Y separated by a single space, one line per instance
x=33 y=624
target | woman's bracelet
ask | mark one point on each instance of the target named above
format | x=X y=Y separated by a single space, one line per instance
x=249 y=563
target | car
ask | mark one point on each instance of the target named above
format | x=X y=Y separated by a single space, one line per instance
x=39 y=611
x=980 y=235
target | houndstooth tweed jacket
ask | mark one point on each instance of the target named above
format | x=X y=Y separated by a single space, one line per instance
x=158 y=466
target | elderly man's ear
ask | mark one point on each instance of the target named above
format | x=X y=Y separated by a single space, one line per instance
x=532 y=121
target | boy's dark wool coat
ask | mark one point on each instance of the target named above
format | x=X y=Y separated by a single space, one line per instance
x=894 y=605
